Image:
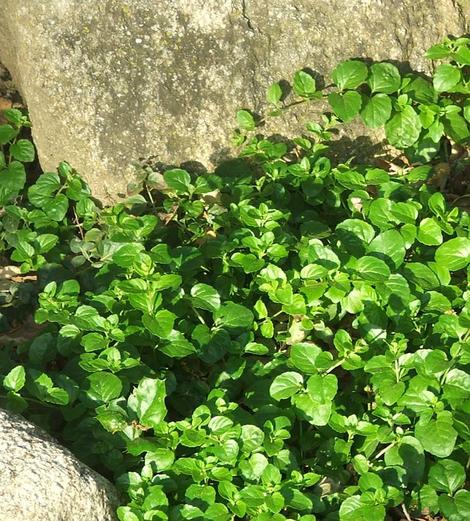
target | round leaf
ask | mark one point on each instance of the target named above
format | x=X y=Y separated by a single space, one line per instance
x=56 y=208
x=404 y=128
x=376 y=111
x=205 y=297
x=274 y=94
x=15 y=379
x=349 y=74
x=447 y=475
x=23 y=150
x=234 y=316
x=446 y=77
x=245 y=120
x=178 y=179
x=437 y=437
x=389 y=246
x=384 y=77
x=148 y=401
x=304 y=84
x=104 y=386
x=286 y=385
x=345 y=105
x=7 y=133
x=304 y=355
x=454 y=254
x=429 y=232
x=373 y=269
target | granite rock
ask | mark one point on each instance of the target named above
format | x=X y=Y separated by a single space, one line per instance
x=42 y=481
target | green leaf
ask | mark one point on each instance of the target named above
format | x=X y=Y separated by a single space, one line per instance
x=421 y=274
x=429 y=232
x=454 y=253
x=148 y=402
x=7 y=133
x=421 y=90
x=462 y=55
x=252 y=468
x=252 y=495
x=161 y=324
x=456 y=127
x=252 y=437
x=349 y=74
x=384 y=77
x=355 y=235
x=316 y=404
x=249 y=262
x=40 y=193
x=447 y=476
x=245 y=120
x=177 y=346
x=42 y=350
x=296 y=499
x=274 y=94
x=56 y=208
x=408 y=453
x=256 y=349
x=389 y=246
x=446 y=77
x=161 y=458
x=437 y=52
x=352 y=509
x=15 y=379
x=373 y=269
x=46 y=242
x=404 y=212
x=404 y=128
x=103 y=386
x=234 y=316
x=179 y=180
x=345 y=105
x=304 y=355
x=286 y=385
x=466 y=110
x=127 y=254
x=15 y=116
x=23 y=150
x=217 y=512
x=370 y=481
x=456 y=508
x=304 y=84
x=205 y=297
x=437 y=437
x=112 y=421
x=457 y=385
x=155 y=498
x=129 y=514
x=12 y=180
x=376 y=110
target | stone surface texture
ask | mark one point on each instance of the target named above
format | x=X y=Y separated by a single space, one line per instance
x=112 y=81
x=42 y=481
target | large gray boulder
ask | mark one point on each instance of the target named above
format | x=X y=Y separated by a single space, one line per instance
x=42 y=481
x=111 y=81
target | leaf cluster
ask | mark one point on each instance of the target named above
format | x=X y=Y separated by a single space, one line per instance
x=419 y=114
x=283 y=338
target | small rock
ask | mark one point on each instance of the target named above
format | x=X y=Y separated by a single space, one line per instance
x=42 y=481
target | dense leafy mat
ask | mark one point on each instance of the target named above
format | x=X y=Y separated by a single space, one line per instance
x=284 y=338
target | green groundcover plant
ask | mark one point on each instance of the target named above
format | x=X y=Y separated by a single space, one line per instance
x=284 y=338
